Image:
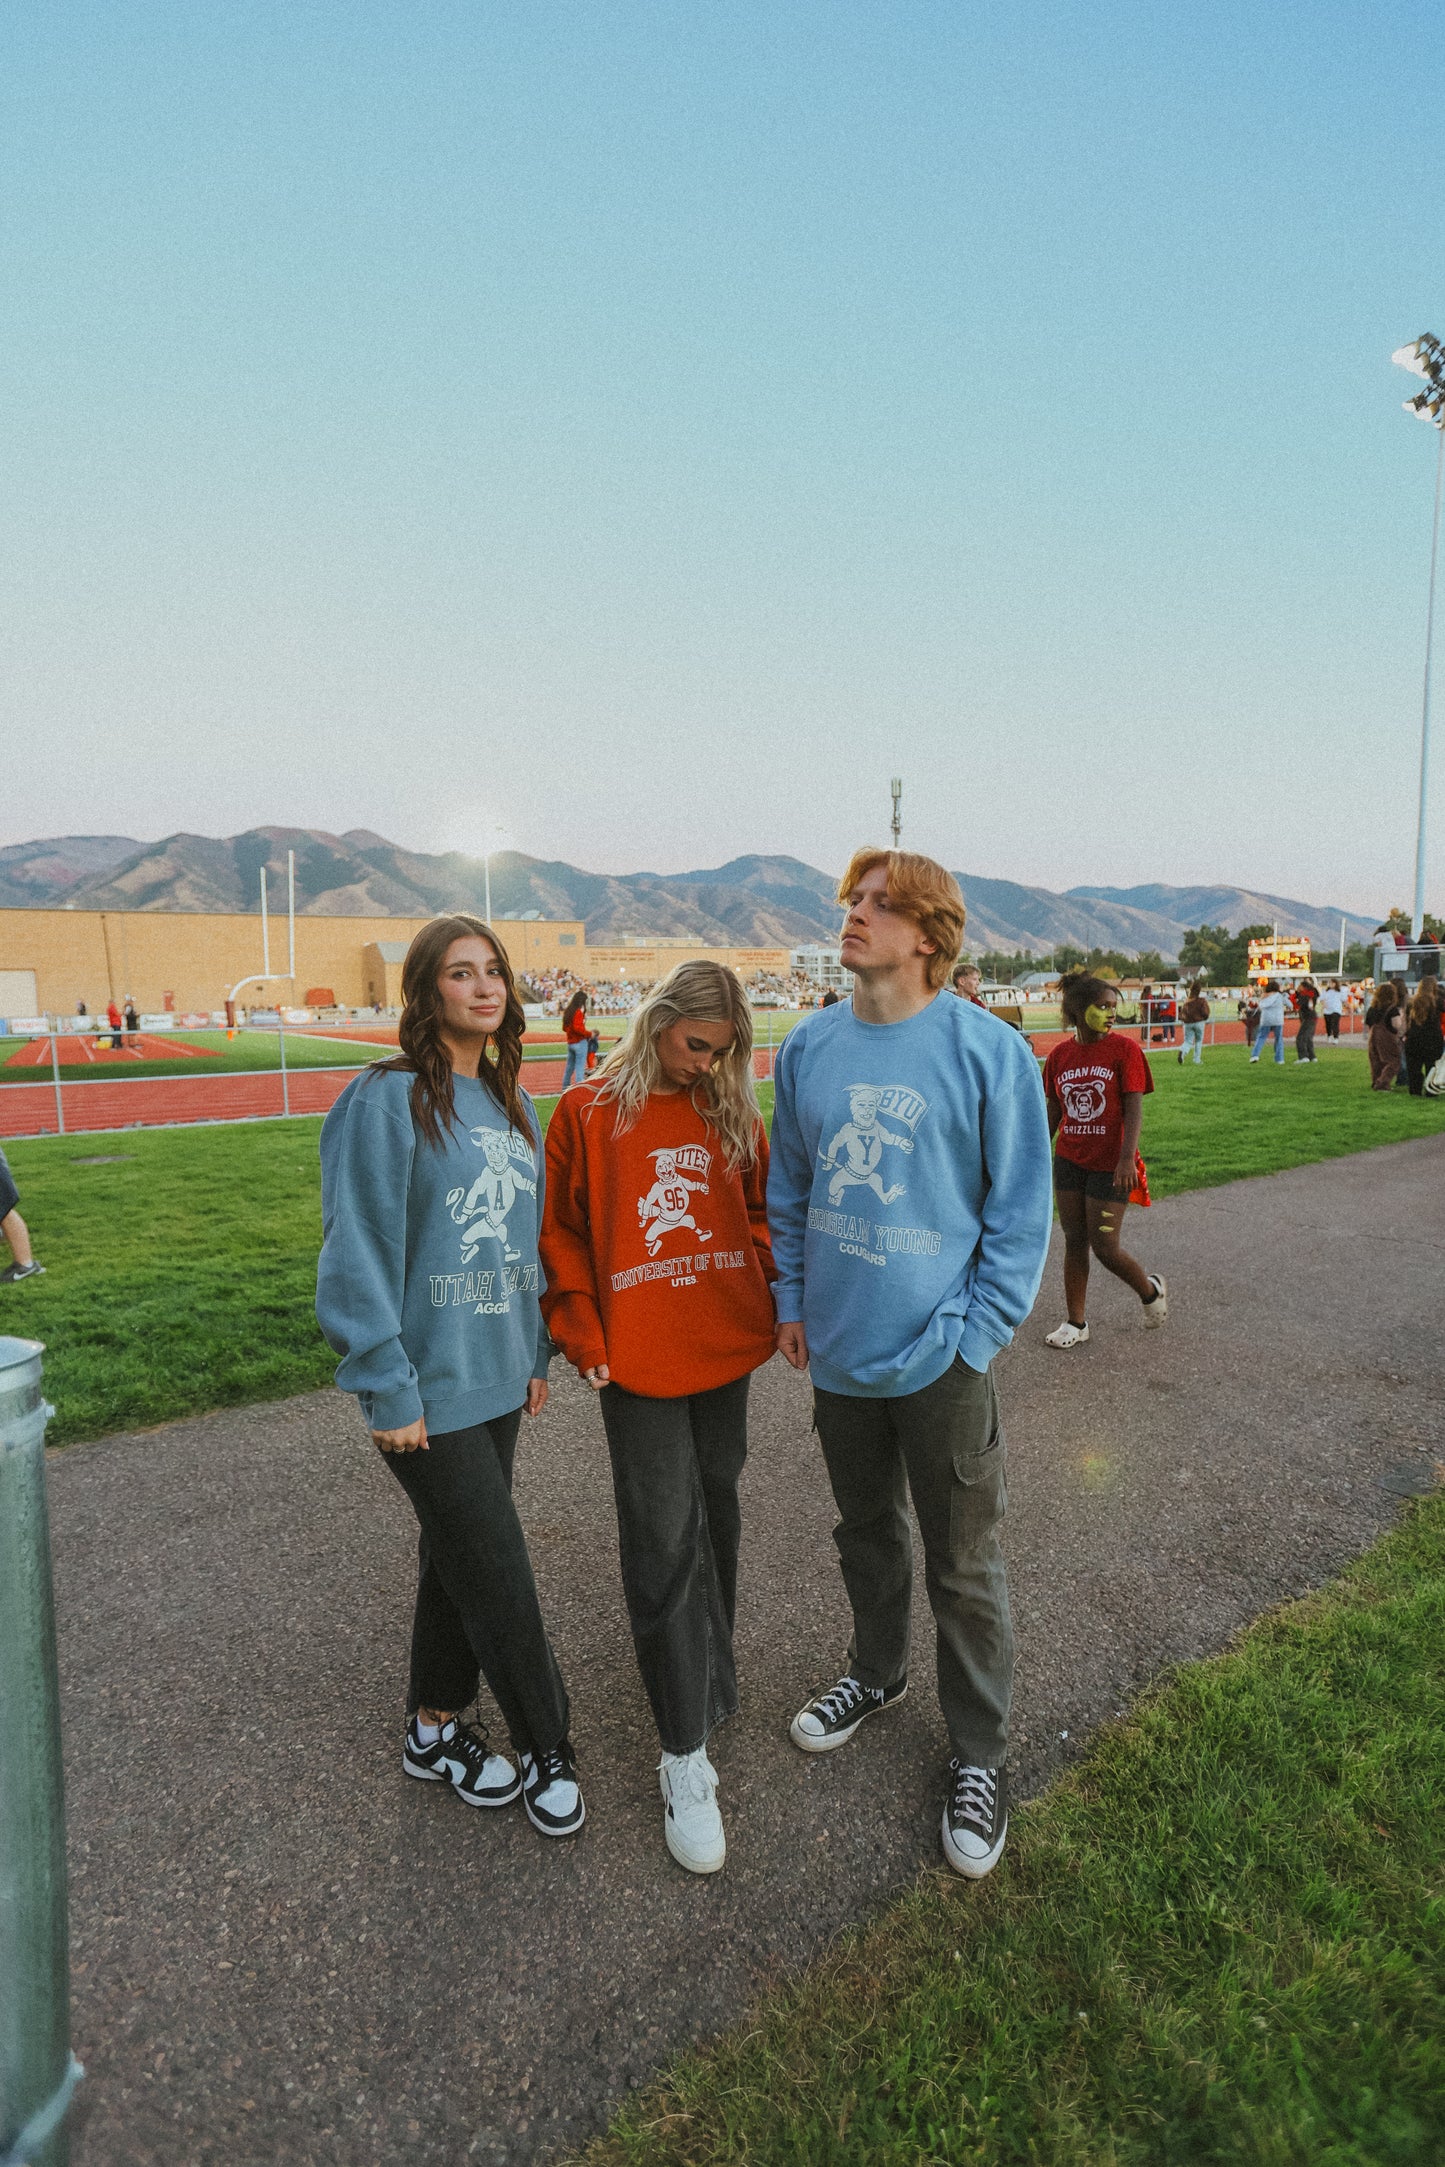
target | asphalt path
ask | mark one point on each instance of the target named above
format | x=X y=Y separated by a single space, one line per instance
x=286 y=1952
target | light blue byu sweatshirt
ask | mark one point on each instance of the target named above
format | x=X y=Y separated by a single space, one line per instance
x=428 y=1282
x=909 y=1192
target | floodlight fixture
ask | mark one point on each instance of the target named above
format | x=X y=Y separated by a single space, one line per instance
x=1425 y=357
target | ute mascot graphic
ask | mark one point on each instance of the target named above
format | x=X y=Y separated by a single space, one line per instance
x=667 y=1206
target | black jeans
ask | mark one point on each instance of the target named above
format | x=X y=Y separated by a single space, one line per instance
x=675 y=1470
x=1332 y=1027
x=1304 y=1045
x=477 y=1613
x=945 y=1445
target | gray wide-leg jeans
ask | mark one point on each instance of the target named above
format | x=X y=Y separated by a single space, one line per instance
x=944 y=1445
x=675 y=1470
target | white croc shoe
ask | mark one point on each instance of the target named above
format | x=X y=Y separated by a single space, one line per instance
x=692 y=1824
x=1068 y=1335
x=1156 y=1311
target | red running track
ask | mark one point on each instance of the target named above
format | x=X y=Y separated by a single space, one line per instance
x=123 y=1102
x=150 y=1102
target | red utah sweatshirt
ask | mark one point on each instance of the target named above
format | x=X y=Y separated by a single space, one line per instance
x=657 y=1259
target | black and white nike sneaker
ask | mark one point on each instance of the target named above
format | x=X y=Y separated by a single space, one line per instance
x=460 y=1756
x=550 y=1791
x=832 y=1718
x=975 y=1818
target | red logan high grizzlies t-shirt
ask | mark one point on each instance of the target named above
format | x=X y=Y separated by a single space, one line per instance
x=1089 y=1083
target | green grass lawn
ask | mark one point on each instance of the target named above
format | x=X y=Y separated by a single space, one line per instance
x=182 y=1277
x=252 y=1050
x=1220 y=1939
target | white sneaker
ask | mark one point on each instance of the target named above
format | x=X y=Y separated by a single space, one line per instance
x=692 y=1824
x=1067 y=1335
x=1156 y=1311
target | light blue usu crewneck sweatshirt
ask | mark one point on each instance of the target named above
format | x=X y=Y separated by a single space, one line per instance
x=909 y=1192
x=428 y=1282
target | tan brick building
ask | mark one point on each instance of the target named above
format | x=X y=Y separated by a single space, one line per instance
x=196 y=957
x=190 y=960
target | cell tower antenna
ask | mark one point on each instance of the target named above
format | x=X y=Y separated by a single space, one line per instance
x=896 y=786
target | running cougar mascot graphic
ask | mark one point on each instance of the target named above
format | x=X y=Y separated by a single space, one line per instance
x=667 y=1206
x=482 y=1211
x=855 y=1156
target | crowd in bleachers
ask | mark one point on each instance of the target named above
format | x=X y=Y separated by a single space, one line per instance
x=619 y=996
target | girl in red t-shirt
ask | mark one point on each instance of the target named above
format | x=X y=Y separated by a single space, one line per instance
x=658 y=1266
x=581 y=1040
x=1095 y=1087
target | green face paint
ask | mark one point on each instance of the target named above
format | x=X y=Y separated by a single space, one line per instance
x=1098 y=1019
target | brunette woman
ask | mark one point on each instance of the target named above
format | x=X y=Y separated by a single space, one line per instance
x=1424 y=1041
x=431 y=1198
x=658 y=1263
x=1095 y=1088
x=1385 y=1022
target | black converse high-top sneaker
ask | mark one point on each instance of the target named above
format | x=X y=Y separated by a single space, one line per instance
x=975 y=1818
x=832 y=1718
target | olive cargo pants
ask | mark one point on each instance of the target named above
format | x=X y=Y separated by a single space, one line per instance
x=944 y=1445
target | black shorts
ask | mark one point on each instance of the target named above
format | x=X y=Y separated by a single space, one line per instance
x=1072 y=1180
x=9 y=1194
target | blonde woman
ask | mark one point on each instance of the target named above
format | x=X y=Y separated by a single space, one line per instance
x=658 y=1267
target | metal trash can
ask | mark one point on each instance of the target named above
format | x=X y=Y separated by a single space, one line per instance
x=38 y=2072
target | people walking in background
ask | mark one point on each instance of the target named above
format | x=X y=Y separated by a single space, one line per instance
x=1271 y=1022
x=1249 y=1016
x=114 y=1018
x=1306 y=1005
x=1147 y=1012
x=16 y=1233
x=132 y=1021
x=909 y=1202
x=1194 y=1015
x=1424 y=1041
x=1332 y=1007
x=830 y=998
x=1385 y=1022
x=432 y=1190
x=664 y=1156
x=579 y=1038
x=1095 y=1087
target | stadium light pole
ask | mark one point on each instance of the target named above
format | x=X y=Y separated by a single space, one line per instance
x=1426 y=358
x=490 y=835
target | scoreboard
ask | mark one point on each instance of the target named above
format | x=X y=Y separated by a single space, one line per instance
x=1279 y=959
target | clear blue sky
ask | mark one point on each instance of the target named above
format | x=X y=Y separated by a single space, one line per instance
x=649 y=428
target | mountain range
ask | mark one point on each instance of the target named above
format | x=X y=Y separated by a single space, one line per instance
x=753 y=902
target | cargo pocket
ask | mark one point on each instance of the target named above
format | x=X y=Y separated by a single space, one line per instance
x=979 y=1497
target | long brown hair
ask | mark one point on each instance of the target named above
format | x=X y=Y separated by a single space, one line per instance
x=424 y=1057
x=1425 y=1002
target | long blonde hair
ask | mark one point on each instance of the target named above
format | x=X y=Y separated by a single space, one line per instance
x=725 y=1097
